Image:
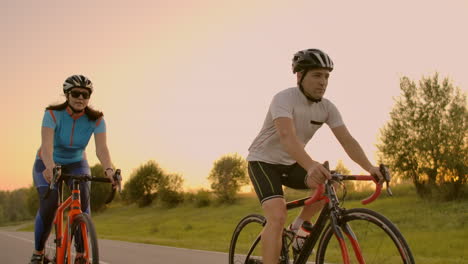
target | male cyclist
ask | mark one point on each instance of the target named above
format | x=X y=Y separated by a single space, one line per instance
x=277 y=156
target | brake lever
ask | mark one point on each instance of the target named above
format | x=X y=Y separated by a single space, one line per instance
x=118 y=179
x=56 y=171
x=387 y=177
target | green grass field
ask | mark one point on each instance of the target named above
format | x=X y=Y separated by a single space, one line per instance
x=437 y=232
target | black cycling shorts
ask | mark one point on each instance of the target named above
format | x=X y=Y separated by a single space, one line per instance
x=268 y=179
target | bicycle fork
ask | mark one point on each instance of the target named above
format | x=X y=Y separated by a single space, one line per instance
x=75 y=209
x=61 y=247
x=338 y=226
x=338 y=229
x=62 y=243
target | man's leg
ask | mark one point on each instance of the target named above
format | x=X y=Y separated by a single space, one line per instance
x=298 y=180
x=310 y=210
x=275 y=213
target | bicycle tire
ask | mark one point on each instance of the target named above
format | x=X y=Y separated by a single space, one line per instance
x=378 y=238
x=82 y=227
x=245 y=246
x=51 y=246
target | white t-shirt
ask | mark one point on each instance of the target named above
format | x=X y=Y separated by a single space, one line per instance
x=307 y=116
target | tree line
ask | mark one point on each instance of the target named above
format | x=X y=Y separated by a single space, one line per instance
x=425 y=141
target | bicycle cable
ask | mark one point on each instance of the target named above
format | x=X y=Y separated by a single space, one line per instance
x=345 y=192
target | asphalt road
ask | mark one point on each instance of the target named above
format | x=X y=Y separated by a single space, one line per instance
x=16 y=248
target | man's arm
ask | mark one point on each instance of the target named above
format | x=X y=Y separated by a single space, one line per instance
x=354 y=150
x=287 y=132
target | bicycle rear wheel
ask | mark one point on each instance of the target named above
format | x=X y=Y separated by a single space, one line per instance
x=369 y=237
x=83 y=240
x=246 y=246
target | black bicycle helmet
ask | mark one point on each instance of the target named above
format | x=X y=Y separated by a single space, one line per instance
x=77 y=81
x=309 y=59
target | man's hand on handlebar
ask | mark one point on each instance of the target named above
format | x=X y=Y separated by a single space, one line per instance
x=317 y=174
x=375 y=172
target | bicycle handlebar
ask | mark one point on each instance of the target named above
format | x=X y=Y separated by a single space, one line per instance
x=318 y=195
x=58 y=176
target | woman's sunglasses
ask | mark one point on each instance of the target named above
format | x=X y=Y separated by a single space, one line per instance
x=76 y=94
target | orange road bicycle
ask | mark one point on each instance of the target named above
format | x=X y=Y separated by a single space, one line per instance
x=75 y=235
x=370 y=236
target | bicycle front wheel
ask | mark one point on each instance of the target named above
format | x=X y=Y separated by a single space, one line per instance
x=51 y=247
x=245 y=245
x=369 y=237
x=83 y=241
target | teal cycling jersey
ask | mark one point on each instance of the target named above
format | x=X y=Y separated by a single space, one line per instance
x=72 y=133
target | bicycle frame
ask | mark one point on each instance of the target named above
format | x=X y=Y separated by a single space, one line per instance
x=332 y=212
x=63 y=235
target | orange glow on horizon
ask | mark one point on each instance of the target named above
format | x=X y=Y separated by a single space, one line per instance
x=185 y=82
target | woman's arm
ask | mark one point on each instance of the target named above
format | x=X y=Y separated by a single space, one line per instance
x=47 y=151
x=102 y=152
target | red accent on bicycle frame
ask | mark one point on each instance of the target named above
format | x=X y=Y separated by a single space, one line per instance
x=356 y=248
x=344 y=250
x=60 y=232
x=318 y=195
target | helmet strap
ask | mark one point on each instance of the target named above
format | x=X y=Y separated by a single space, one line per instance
x=303 y=91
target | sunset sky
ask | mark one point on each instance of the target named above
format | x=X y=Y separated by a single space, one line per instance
x=185 y=82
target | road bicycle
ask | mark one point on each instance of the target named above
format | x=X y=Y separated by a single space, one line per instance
x=370 y=236
x=76 y=234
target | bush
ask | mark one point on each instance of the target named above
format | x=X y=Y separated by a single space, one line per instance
x=14 y=206
x=170 y=198
x=99 y=191
x=202 y=198
x=32 y=200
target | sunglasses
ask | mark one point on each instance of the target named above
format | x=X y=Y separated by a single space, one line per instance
x=76 y=94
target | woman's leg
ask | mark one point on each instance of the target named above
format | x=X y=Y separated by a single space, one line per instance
x=47 y=207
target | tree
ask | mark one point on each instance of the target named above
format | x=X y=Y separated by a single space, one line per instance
x=341 y=168
x=143 y=184
x=150 y=182
x=170 y=191
x=426 y=137
x=228 y=175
